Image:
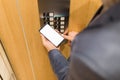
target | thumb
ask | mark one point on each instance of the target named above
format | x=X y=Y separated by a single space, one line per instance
x=67 y=37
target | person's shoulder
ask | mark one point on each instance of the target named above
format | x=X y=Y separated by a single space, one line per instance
x=99 y=50
x=109 y=16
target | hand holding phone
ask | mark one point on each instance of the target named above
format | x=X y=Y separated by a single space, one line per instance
x=54 y=37
x=47 y=44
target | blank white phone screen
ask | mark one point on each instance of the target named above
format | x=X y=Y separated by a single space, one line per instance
x=51 y=35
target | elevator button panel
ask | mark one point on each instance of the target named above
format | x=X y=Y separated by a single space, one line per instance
x=57 y=22
x=55 y=13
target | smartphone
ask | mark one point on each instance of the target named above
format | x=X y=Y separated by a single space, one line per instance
x=53 y=36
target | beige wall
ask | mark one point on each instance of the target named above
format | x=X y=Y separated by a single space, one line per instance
x=19 y=25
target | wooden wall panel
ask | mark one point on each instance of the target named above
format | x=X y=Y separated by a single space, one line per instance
x=39 y=56
x=13 y=40
x=22 y=40
x=81 y=13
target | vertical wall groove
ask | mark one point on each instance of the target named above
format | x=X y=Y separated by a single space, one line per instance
x=26 y=43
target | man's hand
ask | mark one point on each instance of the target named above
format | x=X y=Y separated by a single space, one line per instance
x=70 y=36
x=47 y=44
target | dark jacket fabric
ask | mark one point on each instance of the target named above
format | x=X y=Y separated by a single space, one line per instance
x=95 y=52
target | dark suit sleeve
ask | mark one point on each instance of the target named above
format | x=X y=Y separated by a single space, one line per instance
x=59 y=63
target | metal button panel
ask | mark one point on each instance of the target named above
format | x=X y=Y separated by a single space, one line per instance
x=57 y=22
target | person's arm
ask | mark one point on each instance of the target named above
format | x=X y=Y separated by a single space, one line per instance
x=59 y=63
x=69 y=36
